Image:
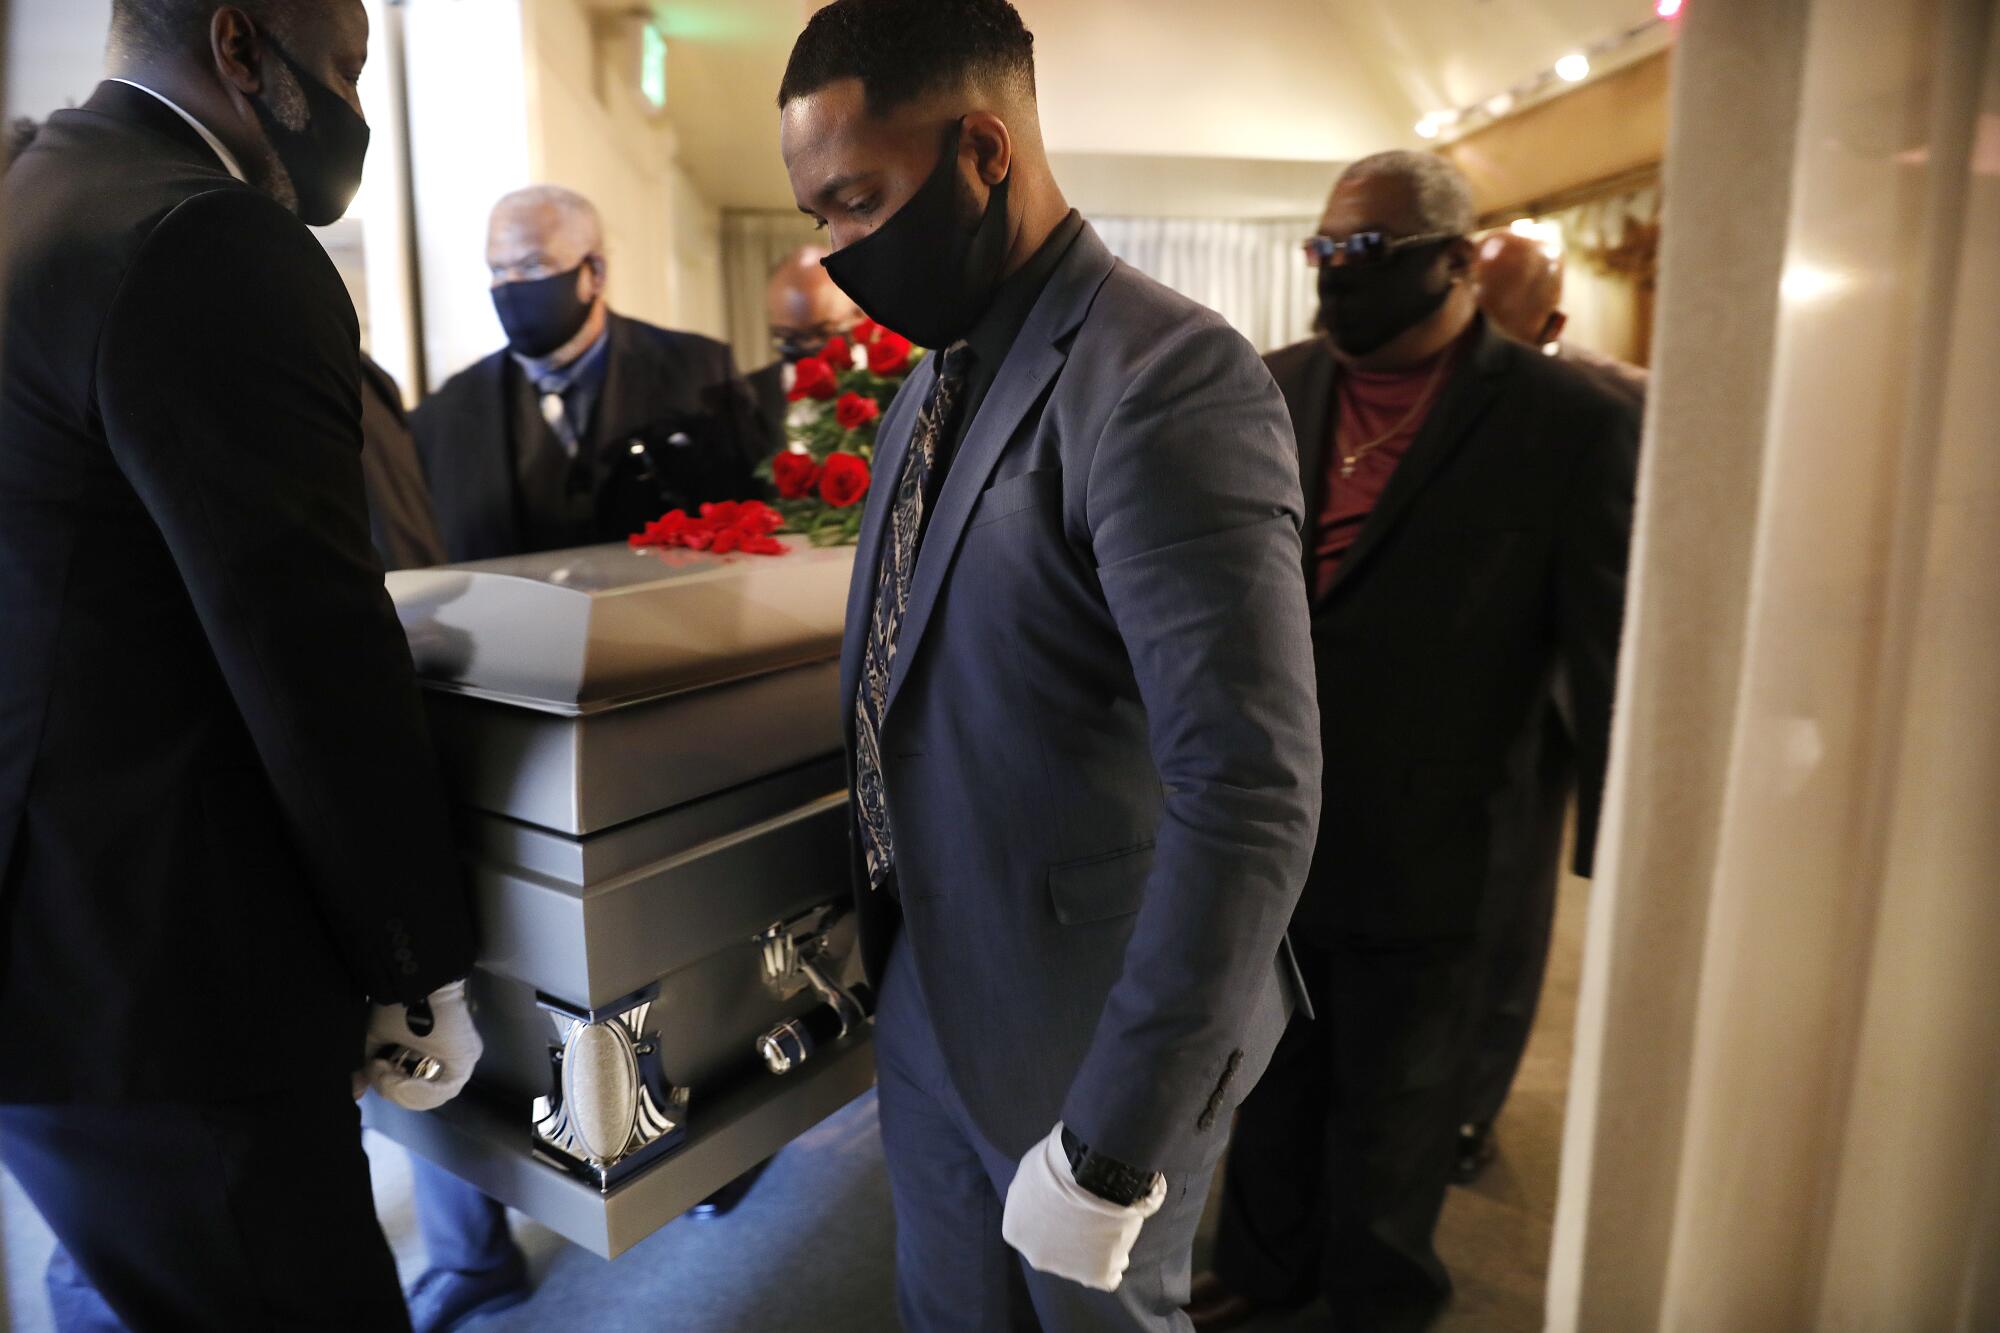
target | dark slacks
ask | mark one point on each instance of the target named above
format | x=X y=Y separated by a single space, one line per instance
x=1519 y=913
x=949 y=1183
x=1341 y=1155
x=248 y=1214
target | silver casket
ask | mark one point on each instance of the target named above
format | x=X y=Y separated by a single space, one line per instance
x=645 y=750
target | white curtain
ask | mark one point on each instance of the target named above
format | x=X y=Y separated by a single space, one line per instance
x=1785 y=1110
x=752 y=245
x=1251 y=272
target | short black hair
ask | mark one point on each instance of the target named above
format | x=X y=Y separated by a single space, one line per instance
x=903 y=50
x=165 y=27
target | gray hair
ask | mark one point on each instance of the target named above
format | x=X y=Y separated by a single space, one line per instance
x=571 y=205
x=1441 y=194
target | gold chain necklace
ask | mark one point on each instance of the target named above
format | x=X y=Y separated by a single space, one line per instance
x=1351 y=459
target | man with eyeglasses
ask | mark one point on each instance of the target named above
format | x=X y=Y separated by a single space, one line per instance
x=806 y=311
x=1473 y=504
x=587 y=425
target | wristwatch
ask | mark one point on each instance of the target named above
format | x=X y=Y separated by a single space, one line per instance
x=1108 y=1178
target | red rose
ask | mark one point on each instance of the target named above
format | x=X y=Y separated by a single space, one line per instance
x=854 y=411
x=889 y=354
x=865 y=332
x=794 y=474
x=844 y=480
x=813 y=378
x=837 y=353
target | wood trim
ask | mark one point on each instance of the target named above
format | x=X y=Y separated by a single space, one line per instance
x=1583 y=141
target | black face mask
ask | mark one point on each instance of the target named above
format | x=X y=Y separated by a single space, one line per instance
x=325 y=158
x=542 y=314
x=1363 y=309
x=929 y=272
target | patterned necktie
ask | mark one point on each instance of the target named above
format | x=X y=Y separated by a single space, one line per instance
x=892 y=597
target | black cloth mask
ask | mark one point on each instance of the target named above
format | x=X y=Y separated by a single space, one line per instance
x=929 y=272
x=1363 y=309
x=325 y=158
x=541 y=314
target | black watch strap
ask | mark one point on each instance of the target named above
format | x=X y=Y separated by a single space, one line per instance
x=1108 y=1178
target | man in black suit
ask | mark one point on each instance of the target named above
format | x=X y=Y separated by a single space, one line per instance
x=1473 y=503
x=587 y=425
x=1520 y=292
x=806 y=310
x=221 y=829
x=1077 y=684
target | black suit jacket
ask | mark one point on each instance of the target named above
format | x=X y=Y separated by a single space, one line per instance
x=218 y=809
x=1489 y=581
x=658 y=383
x=767 y=391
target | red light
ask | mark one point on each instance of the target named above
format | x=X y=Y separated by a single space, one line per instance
x=1667 y=9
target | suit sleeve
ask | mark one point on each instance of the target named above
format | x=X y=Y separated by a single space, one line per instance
x=1594 y=543
x=228 y=381
x=1195 y=513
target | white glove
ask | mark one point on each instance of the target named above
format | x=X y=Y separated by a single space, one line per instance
x=1059 y=1227
x=447 y=1048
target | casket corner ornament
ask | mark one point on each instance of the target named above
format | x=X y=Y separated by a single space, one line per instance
x=610 y=1110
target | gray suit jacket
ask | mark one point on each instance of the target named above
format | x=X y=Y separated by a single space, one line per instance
x=1101 y=745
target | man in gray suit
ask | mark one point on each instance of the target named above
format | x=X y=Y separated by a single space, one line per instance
x=1078 y=687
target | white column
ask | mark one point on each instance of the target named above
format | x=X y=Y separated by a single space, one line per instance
x=1787 y=1088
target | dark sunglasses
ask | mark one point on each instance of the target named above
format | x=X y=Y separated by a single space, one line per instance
x=1365 y=247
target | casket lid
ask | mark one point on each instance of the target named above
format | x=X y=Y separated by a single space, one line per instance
x=601 y=626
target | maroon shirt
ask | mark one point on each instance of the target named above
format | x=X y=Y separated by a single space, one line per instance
x=1369 y=405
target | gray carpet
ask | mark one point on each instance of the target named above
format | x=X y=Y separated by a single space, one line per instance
x=811 y=1249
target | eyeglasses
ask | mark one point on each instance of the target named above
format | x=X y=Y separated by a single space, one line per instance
x=1365 y=247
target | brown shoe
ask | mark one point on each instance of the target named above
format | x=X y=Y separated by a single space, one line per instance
x=1213 y=1306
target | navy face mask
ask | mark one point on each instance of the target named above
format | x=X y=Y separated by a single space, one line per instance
x=325 y=158
x=930 y=271
x=541 y=314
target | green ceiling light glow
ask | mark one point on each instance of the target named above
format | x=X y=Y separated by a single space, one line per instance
x=653 y=66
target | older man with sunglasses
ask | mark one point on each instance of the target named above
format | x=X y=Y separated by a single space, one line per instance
x=1472 y=506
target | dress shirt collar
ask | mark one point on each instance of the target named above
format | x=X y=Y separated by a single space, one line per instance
x=229 y=161
x=548 y=377
x=996 y=330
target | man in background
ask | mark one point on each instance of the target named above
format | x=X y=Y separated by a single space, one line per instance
x=806 y=310
x=1520 y=290
x=222 y=833
x=1473 y=503
x=587 y=425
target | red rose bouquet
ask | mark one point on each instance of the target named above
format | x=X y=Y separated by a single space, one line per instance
x=838 y=398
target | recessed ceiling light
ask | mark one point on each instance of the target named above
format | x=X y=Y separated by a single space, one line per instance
x=1573 y=68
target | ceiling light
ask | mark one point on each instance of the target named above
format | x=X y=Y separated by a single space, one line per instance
x=1573 y=68
x=1427 y=128
x=1499 y=105
x=1667 y=9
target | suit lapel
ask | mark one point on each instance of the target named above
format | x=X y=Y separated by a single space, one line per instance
x=1032 y=363
x=892 y=442
x=1449 y=425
